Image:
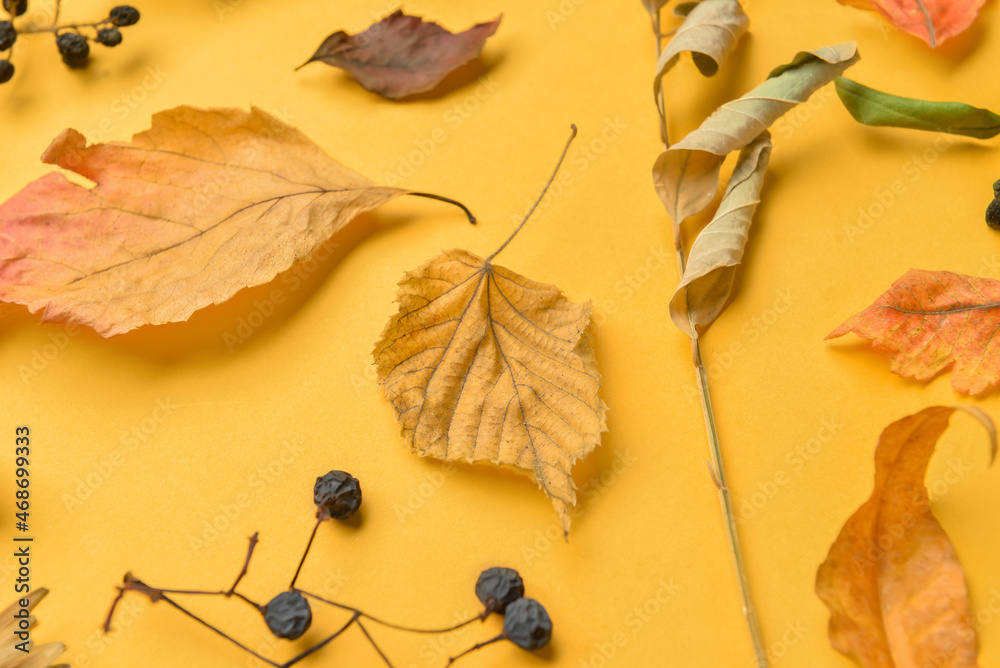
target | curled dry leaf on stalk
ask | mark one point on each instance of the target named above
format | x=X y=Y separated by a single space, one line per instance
x=873 y=107
x=710 y=32
x=201 y=205
x=484 y=365
x=403 y=55
x=718 y=250
x=933 y=21
x=13 y=646
x=686 y=177
x=928 y=321
x=892 y=581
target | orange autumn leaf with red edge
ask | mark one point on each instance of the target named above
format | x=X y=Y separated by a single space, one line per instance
x=931 y=320
x=933 y=21
x=892 y=581
x=203 y=204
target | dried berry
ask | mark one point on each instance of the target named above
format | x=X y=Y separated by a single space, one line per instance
x=993 y=210
x=6 y=71
x=124 y=15
x=498 y=587
x=7 y=35
x=288 y=615
x=109 y=36
x=15 y=7
x=74 y=49
x=527 y=625
x=337 y=494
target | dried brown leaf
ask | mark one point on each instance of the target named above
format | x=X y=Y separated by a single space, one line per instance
x=894 y=586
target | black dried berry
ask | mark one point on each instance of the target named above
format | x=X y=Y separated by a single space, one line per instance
x=109 y=36
x=15 y=7
x=527 y=625
x=993 y=210
x=7 y=35
x=498 y=587
x=74 y=49
x=337 y=494
x=6 y=71
x=124 y=15
x=288 y=615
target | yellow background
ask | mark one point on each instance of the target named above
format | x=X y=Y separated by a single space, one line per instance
x=298 y=397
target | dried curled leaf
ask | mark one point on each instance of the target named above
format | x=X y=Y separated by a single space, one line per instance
x=894 y=586
x=873 y=107
x=687 y=174
x=482 y=364
x=198 y=207
x=710 y=32
x=930 y=320
x=37 y=656
x=933 y=21
x=403 y=55
x=718 y=250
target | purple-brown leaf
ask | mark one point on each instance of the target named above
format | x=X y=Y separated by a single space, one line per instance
x=403 y=55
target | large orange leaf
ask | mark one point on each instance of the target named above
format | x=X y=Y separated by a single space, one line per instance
x=483 y=364
x=930 y=320
x=201 y=205
x=894 y=586
x=933 y=21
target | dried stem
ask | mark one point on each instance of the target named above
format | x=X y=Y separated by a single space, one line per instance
x=305 y=554
x=715 y=449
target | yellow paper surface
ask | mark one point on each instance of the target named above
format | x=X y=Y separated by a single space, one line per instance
x=162 y=450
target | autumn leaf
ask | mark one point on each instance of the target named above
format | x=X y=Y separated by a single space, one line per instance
x=873 y=107
x=933 y=21
x=403 y=55
x=198 y=207
x=894 y=586
x=37 y=656
x=718 y=250
x=710 y=32
x=483 y=364
x=930 y=320
x=687 y=174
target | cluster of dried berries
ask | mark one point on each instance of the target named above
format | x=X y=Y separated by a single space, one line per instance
x=288 y=615
x=72 y=42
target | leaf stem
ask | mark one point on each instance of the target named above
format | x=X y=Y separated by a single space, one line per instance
x=465 y=209
x=714 y=447
x=572 y=136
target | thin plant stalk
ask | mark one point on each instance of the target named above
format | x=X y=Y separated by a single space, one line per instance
x=715 y=449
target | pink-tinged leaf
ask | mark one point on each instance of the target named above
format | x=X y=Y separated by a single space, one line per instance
x=933 y=21
x=198 y=207
x=403 y=55
x=931 y=320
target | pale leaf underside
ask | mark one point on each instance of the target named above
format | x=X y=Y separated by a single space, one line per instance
x=930 y=320
x=482 y=364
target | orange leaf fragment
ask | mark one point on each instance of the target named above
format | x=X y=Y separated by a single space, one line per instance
x=201 y=205
x=483 y=364
x=930 y=320
x=933 y=21
x=894 y=586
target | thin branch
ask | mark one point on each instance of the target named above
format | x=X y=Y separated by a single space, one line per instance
x=468 y=214
x=246 y=564
x=312 y=536
x=390 y=625
x=374 y=644
x=478 y=645
x=320 y=645
x=236 y=642
x=538 y=201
